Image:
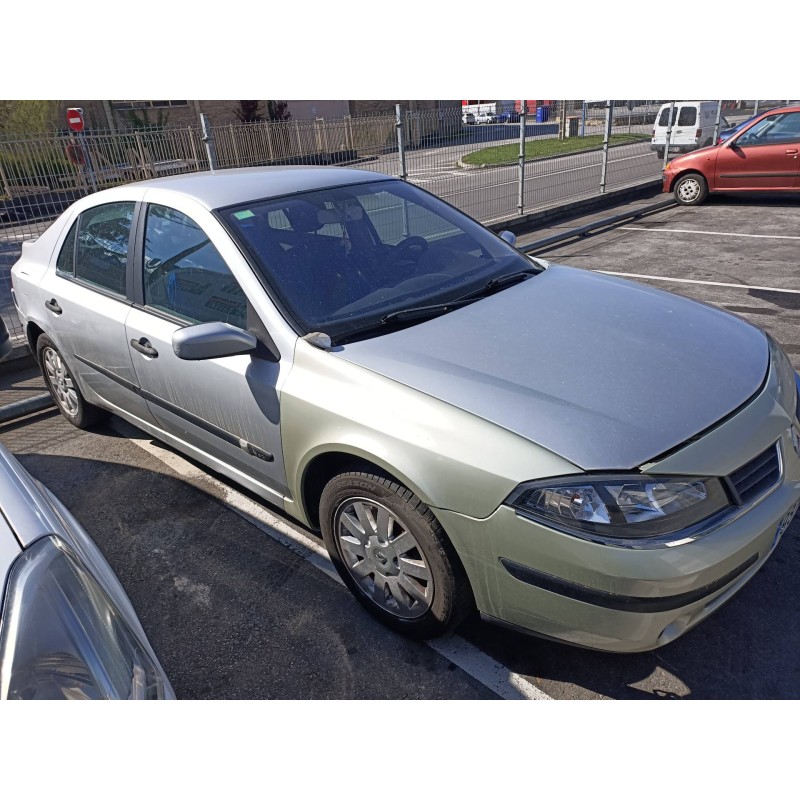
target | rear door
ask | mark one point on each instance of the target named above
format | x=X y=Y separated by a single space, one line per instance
x=685 y=131
x=762 y=157
x=226 y=407
x=86 y=297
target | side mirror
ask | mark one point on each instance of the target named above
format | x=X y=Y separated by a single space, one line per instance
x=509 y=237
x=212 y=340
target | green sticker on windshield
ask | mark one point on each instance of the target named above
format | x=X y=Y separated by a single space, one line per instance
x=243 y=214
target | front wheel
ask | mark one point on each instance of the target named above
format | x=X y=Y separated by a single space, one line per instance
x=393 y=555
x=691 y=189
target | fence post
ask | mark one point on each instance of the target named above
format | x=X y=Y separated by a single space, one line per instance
x=716 y=122
x=208 y=140
x=401 y=149
x=606 y=137
x=236 y=157
x=195 y=159
x=583 y=119
x=669 y=133
x=522 y=121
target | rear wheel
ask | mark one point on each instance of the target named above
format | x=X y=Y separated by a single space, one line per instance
x=691 y=189
x=660 y=153
x=393 y=555
x=71 y=403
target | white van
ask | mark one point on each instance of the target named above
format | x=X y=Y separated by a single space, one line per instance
x=692 y=126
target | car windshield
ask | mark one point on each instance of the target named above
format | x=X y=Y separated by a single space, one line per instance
x=340 y=260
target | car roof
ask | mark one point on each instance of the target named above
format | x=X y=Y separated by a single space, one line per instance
x=225 y=187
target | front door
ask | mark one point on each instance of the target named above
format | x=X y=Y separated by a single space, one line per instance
x=763 y=157
x=226 y=407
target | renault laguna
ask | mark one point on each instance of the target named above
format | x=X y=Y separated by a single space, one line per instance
x=567 y=453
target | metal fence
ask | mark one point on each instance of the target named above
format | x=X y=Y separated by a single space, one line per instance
x=573 y=149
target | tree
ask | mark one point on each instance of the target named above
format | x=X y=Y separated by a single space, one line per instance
x=249 y=111
x=278 y=110
x=28 y=116
x=140 y=118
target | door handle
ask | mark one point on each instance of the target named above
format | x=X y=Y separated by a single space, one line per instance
x=791 y=153
x=52 y=305
x=144 y=347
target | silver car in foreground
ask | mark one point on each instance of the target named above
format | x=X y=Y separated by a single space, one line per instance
x=67 y=628
x=572 y=454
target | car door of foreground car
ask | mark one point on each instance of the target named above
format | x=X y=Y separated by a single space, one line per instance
x=85 y=294
x=764 y=157
x=227 y=407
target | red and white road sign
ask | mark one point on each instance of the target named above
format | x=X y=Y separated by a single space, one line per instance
x=75 y=119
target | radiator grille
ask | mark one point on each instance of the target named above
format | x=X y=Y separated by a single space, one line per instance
x=755 y=477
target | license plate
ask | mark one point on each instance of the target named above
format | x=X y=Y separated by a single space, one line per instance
x=785 y=522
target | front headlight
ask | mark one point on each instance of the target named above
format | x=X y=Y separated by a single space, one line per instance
x=63 y=637
x=621 y=507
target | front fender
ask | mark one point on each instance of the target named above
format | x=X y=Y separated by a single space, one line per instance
x=449 y=458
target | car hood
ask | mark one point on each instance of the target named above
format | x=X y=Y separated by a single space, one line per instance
x=606 y=373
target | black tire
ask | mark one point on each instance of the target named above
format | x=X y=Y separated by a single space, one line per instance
x=660 y=153
x=690 y=189
x=448 y=597
x=63 y=389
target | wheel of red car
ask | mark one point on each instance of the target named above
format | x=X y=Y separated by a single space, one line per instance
x=393 y=555
x=691 y=189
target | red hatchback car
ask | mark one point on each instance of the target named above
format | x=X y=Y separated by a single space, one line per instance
x=762 y=157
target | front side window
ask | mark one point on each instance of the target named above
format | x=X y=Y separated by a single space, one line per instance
x=101 y=254
x=184 y=274
x=340 y=259
x=776 y=129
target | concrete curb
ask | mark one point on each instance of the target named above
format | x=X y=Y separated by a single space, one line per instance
x=576 y=208
x=24 y=407
x=601 y=224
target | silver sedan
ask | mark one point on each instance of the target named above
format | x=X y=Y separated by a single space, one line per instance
x=564 y=452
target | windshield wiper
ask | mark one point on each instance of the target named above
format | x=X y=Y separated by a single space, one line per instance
x=425 y=311
x=502 y=280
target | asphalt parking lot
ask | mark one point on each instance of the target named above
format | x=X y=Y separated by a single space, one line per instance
x=239 y=601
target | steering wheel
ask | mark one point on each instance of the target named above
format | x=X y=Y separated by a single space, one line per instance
x=413 y=247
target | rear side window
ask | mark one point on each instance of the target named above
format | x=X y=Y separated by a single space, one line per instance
x=687 y=116
x=101 y=255
x=65 y=265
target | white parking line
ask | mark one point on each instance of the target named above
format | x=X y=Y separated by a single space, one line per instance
x=479 y=666
x=705 y=233
x=703 y=283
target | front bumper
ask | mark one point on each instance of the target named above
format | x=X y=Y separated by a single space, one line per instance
x=529 y=576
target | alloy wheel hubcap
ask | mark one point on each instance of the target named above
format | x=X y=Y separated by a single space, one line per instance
x=384 y=558
x=61 y=382
x=689 y=190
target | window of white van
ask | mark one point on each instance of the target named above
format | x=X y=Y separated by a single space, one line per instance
x=688 y=115
x=664 y=116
